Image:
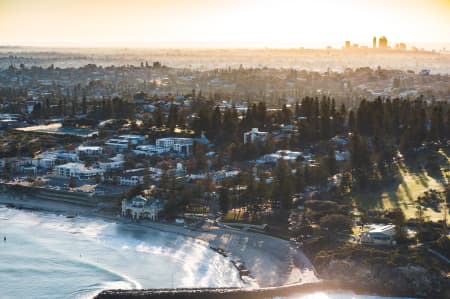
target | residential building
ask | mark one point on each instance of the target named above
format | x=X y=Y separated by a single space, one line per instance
x=78 y=170
x=123 y=142
x=287 y=155
x=379 y=235
x=255 y=135
x=48 y=160
x=140 y=207
x=90 y=151
x=180 y=145
x=16 y=164
x=131 y=180
x=342 y=155
x=133 y=139
x=117 y=144
x=150 y=150
x=116 y=162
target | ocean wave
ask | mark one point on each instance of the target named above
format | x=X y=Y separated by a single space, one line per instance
x=115 y=251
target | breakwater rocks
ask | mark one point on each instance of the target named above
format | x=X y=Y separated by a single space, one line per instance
x=407 y=281
x=236 y=293
x=210 y=293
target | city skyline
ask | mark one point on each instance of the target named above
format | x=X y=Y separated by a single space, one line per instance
x=213 y=23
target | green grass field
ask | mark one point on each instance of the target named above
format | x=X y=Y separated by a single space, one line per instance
x=412 y=182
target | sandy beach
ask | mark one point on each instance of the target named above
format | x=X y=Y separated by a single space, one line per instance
x=271 y=261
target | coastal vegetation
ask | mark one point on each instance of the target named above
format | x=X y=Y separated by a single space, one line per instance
x=325 y=169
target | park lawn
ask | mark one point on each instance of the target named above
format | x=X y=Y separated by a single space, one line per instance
x=403 y=193
x=237 y=215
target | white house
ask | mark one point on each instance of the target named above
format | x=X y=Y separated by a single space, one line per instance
x=90 y=151
x=342 y=155
x=48 y=160
x=133 y=139
x=116 y=162
x=177 y=144
x=222 y=174
x=287 y=155
x=16 y=164
x=379 y=235
x=117 y=144
x=255 y=135
x=140 y=207
x=150 y=150
x=46 y=163
x=122 y=142
x=78 y=170
x=131 y=180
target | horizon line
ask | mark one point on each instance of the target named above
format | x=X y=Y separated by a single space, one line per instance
x=216 y=45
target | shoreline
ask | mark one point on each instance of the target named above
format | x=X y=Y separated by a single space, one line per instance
x=299 y=276
x=270 y=261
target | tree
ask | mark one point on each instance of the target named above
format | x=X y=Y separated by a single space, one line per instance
x=224 y=200
x=84 y=105
x=331 y=161
x=283 y=187
x=72 y=182
x=336 y=223
x=351 y=121
x=216 y=124
x=399 y=222
x=300 y=182
x=98 y=178
x=146 y=177
x=134 y=191
x=158 y=117
x=172 y=118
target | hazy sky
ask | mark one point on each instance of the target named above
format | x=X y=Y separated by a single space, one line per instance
x=272 y=23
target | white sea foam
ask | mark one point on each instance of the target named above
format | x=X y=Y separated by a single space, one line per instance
x=107 y=255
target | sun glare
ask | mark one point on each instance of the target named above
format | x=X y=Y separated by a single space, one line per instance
x=249 y=22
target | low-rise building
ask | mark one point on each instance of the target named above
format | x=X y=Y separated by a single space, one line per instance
x=90 y=151
x=123 y=142
x=15 y=164
x=78 y=170
x=379 y=235
x=342 y=155
x=287 y=155
x=48 y=160
x=113 y=163
x=150 y=150
x=140 y=207
x=183 y=146
x=255 y=135
x=131 y=180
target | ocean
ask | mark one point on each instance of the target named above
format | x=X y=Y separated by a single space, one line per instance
x=52 y=256
x=46 y=255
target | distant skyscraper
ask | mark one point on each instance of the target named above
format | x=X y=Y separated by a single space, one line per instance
x=400 y=46
x=374 y=42
x=347 y=44
x=382 y=42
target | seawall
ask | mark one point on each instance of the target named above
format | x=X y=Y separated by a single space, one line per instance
x=63 y=196
x=235 y=293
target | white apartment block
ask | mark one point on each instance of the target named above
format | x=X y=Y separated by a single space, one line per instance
x=180 y=145
x=255 y=135
x=116 y=162
x=78 y=170
x=122 y=142
x=91 y=151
